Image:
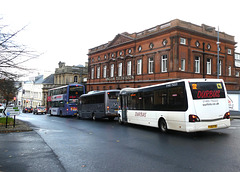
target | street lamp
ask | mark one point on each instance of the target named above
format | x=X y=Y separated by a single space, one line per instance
x=218 y=53
x=210 y=29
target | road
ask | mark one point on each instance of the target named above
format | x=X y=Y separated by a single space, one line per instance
x=102 y=146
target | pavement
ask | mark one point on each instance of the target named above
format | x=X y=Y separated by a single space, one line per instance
x=23 y=149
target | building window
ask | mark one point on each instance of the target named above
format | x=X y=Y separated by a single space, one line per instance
x=98 y=72
x=183 y=41
x=139 y=48
x=150 y=65
x=129 y=51
x=164 y=63
x=92 y=73
x=151 y=45
x=75 y=79
x=129 y=68
x=237 y=73
x=208 y=66
x=139 y=66
x=220 y=67
x=104 y=71
x=120 y=53
x=112 y=70
x=229 y=71
x=99 y=58
x=229 y=51
x=182 y=64
x=197 y=64
x=120 y=69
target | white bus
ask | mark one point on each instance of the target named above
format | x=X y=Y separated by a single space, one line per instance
x=99 y=104
x=188 y=105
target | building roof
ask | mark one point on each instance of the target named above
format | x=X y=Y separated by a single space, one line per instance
x=38 y=79
x=125 y=37
x=49 y=79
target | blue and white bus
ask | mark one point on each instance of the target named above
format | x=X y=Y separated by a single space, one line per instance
x=63 y=100
x=188 y=105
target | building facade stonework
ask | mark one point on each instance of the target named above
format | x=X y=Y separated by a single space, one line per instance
x=167 y=52
x=65 y=75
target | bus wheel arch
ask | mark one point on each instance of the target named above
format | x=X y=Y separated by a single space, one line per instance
x=162 y=124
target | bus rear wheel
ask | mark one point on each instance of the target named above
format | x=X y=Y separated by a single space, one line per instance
x=163 y=125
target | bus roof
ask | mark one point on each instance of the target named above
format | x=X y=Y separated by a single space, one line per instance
x=98 y=92
x=65 y=86
x=127 y=90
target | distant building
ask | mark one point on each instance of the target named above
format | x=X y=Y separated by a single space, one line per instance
x=48 y=83
x=65 y=75
x=34 y=91
x=237 y=63
x=30 y=95
x=167 y=52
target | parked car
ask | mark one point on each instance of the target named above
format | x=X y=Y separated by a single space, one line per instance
x=40 y=110
x=28 y=110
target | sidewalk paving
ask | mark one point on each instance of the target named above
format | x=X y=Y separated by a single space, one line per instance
x=23 y=149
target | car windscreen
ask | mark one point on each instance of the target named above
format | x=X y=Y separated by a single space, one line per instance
x=207 y=90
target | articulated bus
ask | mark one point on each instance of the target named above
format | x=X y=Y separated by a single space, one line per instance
x=99 y=104
x=63 y=100
x=187 y=105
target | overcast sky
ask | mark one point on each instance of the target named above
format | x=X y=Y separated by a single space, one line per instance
x=64 y=30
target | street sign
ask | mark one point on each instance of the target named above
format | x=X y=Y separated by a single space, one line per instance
x=12 y=111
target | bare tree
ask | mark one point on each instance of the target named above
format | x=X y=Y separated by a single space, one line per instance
x=13 y=55
x=8 y=89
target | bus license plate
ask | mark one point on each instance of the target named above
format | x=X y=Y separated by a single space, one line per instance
x=212 y=126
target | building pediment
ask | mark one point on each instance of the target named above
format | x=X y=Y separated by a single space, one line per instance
x=120 y=39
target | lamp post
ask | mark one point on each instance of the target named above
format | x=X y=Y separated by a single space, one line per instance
x=218 y=53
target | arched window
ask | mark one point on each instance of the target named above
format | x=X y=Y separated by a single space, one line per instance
x=75 y=79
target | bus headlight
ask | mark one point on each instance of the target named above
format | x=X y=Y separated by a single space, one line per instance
x=194 y=118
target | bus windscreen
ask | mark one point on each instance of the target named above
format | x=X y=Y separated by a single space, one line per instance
x=207 y=90
x=74 y=93
x=113 y=95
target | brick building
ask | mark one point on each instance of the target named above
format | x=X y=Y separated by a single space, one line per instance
x=167 y=52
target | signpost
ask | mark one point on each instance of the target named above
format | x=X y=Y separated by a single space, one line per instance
x=11 y=111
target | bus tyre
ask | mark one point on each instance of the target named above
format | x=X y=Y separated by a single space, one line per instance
x=120 y=120
x=163 y=125
x=111 y=118
x=93 y=117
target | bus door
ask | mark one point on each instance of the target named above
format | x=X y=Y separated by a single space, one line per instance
x=124 y=108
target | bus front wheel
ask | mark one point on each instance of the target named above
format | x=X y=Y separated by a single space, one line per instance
x=120 y=120
x=93 y=117
x=163 y=125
